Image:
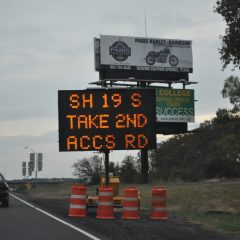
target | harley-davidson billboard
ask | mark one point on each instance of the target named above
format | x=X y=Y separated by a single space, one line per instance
x=145 y=54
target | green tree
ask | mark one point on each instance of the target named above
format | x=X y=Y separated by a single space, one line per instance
x=213 y=151
x=206 y=124
x=128 y=170
x=179 y=158
x=223 y=116
x=88 y=169
x=230 y=49
x=231 y=90
x=114 y=168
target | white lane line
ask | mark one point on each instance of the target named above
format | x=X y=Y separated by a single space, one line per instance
x=58 y=219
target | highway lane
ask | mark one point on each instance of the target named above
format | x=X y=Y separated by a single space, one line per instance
x=22 y=221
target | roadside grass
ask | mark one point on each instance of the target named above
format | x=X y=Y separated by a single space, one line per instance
x=223 y=222
x=53 y=190
x=213 y=205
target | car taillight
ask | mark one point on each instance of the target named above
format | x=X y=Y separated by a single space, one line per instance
x=3 y=189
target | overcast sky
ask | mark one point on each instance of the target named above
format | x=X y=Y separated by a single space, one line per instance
x=47 y=45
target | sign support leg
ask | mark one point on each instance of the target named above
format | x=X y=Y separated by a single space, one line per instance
x=106 y=156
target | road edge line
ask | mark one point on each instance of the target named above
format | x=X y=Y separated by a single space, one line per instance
x=57 y=219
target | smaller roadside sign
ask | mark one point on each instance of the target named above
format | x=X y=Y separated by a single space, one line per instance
x=39 y=161
x=40 y=156
x=40 y=164
x=32 y=156
x=175 y=105
x=24 y=168
x=30 y=170
x=31 y=164
x=24 y=171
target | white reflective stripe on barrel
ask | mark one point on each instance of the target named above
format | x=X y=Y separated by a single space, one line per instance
x=105 y=203
x=78 y=206
x=160 y=199
x=130 y=208
x=105 y=193
x=130 y=199
x=78 y=196
x=158 y=209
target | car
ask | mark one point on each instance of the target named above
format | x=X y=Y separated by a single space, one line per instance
x=4 y=191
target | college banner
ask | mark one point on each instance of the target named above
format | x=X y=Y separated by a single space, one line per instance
x=175 y=105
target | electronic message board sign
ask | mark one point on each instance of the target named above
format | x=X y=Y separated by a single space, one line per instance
x=107 y=119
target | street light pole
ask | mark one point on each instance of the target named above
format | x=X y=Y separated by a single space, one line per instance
x=36 y=163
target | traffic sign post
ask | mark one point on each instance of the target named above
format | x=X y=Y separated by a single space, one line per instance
x=24 y=169
x=39 y=161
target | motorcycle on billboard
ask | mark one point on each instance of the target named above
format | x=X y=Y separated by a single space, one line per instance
x=162 y=56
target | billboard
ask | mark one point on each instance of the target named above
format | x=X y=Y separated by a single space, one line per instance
x=175 y=105
x=107 y=119
x=144 y=54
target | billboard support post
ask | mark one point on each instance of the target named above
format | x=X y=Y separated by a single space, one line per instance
x=144 y=155
x=144 y=165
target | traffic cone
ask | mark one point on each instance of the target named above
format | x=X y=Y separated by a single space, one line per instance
x=105 y=203
x=159 y=203
x=78 y=201
x=130 y=204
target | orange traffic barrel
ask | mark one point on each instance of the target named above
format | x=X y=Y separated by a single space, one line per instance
x=130 y=204
x=159 y=203
x=105 y=203
x=78 y=201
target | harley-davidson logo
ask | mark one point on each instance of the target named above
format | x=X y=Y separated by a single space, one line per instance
x=120 y=51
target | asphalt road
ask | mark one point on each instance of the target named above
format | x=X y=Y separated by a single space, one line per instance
x=24 y=222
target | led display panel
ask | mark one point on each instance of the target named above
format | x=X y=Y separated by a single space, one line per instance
x=107 y=119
